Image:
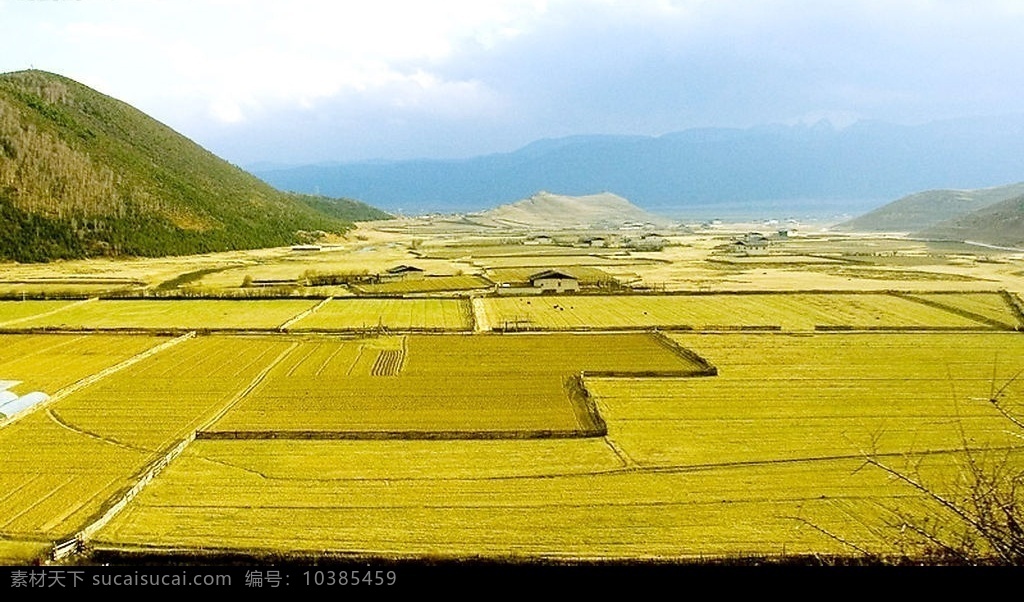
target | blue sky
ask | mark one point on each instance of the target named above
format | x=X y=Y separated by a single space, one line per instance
x=318 y=81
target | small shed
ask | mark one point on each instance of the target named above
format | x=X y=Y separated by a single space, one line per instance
x=597 y=241
x=554 y=281
x=403 y=272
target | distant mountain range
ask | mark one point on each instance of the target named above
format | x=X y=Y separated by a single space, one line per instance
x=83 y=174
x=699 y=172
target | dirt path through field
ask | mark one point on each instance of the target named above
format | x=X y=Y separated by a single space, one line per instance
x=72 y=546
x=480 y=321
x=88 y=380
x=284 y=327
x=48 y=313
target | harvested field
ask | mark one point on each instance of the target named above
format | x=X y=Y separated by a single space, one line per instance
x=174 y=314
x=787 y=311
x=430 y=284
x=544 y=261
x=774 y=260
x=484 y=250
x=392 y=314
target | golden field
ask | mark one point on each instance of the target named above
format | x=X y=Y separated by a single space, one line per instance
x=740 y=463
x=180 y=315
x=394 y=314
x=512 y=385
x=784 y=311
x=393 y=427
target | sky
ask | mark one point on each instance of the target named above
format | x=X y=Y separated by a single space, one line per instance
x=316 y=81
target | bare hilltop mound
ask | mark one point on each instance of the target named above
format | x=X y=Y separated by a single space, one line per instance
x=927 y=209
x=547 y=210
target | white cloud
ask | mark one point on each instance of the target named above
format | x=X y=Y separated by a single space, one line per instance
x=523 y=68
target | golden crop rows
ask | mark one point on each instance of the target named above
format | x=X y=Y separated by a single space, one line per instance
x=740 y=463
x=396 y=314
x=802 y=311
x=446 y=383
x=63 y=464
x=50 y=363
x=989 y=305
x=176 y=314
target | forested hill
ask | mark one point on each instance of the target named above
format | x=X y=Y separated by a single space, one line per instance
x=83 y=174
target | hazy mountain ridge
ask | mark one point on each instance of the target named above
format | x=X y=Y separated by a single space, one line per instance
x=699 y=167
x=83 y=174
x=929 y=208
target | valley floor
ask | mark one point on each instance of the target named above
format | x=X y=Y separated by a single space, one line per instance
x=686 y=403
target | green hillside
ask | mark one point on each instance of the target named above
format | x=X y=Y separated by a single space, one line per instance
x=926 y=209
x=83 y=174
x=1001 y=224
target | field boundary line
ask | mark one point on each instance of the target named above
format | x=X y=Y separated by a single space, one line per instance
x=679 y=468
x=627 y=461
x=48 y=313
x=80 y=431
x=256 y=381
x=957 y=311
x=75 y=544
x=94 y=378
x=1015 y=306
x=393 y=435
x=288 y=323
